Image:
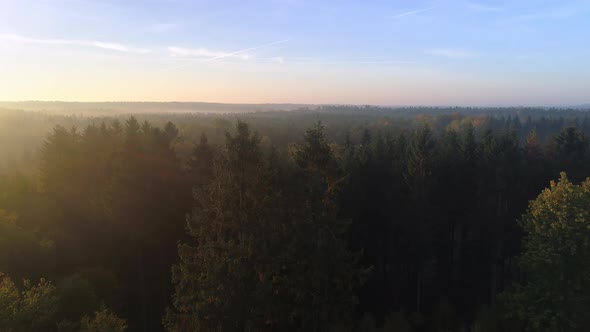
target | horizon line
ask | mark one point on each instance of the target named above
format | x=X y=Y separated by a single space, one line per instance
x=561 y=105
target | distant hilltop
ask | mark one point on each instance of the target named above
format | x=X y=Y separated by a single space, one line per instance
x=106 y=108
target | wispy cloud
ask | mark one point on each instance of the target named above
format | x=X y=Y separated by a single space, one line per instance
x=483 y=8
x=248 y=49
x=210 y=55
x=278 y=59
x=413 y=12
x=73 y=42
x=452 y=53
x=553 y=14
x=204 y=53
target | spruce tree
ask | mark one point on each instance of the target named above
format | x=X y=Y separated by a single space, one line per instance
x=263 y=256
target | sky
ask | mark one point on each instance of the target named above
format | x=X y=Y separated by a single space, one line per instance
x=441 y=52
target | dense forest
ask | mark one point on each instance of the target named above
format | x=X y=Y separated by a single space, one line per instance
x=335 y=218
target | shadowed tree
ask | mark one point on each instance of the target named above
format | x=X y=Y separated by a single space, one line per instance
x=250 y=264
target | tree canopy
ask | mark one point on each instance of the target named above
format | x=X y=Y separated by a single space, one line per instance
x=556 y=259
x=370 y=219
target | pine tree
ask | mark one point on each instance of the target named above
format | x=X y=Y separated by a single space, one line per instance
x=332 y=269
x=200 y=164
x=258 y=259
x=419 y=179
x=532 y=147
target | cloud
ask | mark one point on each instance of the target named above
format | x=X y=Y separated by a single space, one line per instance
x=205 y=53
x=413 y=12
x=451 y=53
x=278 y=59
x=249 y=49
x=73 y=42
x=483 y=8
x=216 y=54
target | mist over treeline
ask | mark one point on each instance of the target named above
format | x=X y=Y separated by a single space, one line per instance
x=24 y=129
x=337 y=218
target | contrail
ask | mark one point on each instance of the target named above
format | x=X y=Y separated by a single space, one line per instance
x=247 y=49
x=230 y=54
x=417 y=11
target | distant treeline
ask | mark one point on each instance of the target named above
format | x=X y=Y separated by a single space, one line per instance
x=337 y=219
x=22 y=131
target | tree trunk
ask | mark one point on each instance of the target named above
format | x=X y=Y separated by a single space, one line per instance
x=142 y=292
x=418 y=291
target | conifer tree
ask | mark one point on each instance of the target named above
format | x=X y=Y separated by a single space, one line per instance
x=258 y=259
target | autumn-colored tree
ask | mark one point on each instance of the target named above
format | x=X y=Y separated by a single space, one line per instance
x=555 y=294
x=103 y=320
x=31 y=309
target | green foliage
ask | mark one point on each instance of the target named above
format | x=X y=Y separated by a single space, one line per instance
x=200 y=163
x=250 y=264
x=494 y=320
x=113 y=184
x=428 y=197
x=76 y=297
x=68 y=326
x=420 y=161
x=532 y=146
x=31 y=309
x=315 y=155
x=105 y=284
x=22 y=252
x=555 y=260
x=83 y=293
x=103 y=321
x=572 y=151
x=221 y=276
x=333 y=271
x=43 y=307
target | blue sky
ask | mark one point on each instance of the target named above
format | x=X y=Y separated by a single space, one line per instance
x=519 y=52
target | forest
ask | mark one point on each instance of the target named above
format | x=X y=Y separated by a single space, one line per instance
x=332 y=218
